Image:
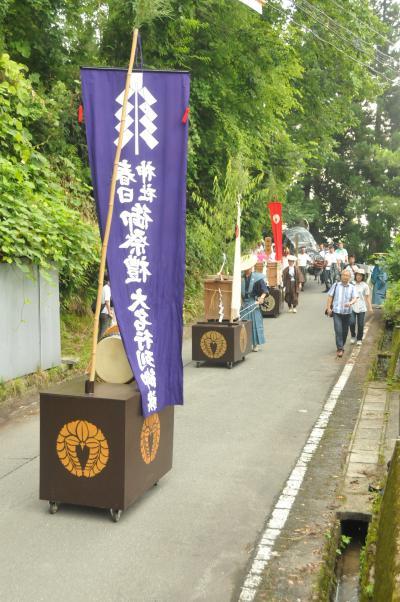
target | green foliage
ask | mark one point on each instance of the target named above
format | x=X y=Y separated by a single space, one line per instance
x=145 y=12
x=391 y=306
x=310 y=125
x=36 y=224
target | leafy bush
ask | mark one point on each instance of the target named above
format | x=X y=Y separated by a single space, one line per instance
x=36 y=225
x=391 y=308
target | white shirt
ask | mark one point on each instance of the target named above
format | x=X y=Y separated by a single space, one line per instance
x=303 y=259
x=342 y=255
x=105 y=296
x=362 y=290
x=291 y=272
x=351 y=269
x=323 y=253
x=330 y=258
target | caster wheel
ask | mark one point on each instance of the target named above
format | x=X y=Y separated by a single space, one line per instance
x=243 y=358
x=155 y=484
x=229 y=365
x=53 y=507
x=198 y=364
x=115 y=515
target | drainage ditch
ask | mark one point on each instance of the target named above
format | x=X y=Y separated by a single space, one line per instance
x=347 y=571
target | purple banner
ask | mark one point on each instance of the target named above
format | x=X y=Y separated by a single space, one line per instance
x=146 y=251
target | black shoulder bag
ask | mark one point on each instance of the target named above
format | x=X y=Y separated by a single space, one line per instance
x=333 y=297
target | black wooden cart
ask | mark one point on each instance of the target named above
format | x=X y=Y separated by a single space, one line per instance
x=98 y=450
x=221 y=342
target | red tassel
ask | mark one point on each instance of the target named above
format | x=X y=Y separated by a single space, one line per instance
x=186 y=115
x=80 y=114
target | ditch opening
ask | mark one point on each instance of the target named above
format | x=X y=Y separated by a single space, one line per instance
x=347 y=570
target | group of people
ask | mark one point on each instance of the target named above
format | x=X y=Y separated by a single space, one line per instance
x=348 y=294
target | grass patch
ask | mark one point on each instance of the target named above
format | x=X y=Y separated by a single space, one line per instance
x=327 y=579
x=76 y=340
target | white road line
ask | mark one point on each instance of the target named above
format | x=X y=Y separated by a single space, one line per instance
x=283 y=506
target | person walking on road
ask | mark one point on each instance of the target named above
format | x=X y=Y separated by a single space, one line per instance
x=254 y=291
x=352 y=268
x=341 y=297
x=106 y=316
x=379 y=280
x=303 y=260
x=342 y=256
x=331 y=268
x=292 y=279
x=360 y=307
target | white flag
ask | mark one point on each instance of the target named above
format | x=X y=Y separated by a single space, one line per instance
x=254 y=4
x=237 y=275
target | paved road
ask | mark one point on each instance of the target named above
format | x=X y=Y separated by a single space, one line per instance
x=190 y=539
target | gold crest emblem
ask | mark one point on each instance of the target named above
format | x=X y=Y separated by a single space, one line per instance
x=213 y=344
x=243 y=339
x=82 y=448
x=269 y=303
x=150 y=438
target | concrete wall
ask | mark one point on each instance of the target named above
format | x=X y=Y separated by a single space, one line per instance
x=29 y=322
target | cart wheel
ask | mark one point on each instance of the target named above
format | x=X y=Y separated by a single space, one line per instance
x=198 y=364
x=229 y=365
x=53 y=507
x=155 y=484
x=115 y=515
x=243 y=358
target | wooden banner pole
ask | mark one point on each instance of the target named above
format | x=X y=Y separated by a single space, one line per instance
x=89 y=386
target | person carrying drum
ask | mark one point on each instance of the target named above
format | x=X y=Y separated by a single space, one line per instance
x=254 y=291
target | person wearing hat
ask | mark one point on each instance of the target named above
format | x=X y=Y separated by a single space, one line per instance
x=254 y=291
x=292 y=279
x=360 y=307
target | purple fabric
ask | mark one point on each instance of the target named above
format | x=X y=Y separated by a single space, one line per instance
x=146 y=251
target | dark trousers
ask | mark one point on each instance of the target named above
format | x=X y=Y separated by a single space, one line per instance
x=104 y=322
x=327 y=279
x=341 y=325
x=359 y=320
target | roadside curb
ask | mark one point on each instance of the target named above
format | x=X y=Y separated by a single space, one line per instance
x=299 y=567
x=365 y=465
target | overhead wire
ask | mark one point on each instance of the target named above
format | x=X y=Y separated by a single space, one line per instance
x=355 y=41
x=364 y=24
x=352 y=58
x=315 y=8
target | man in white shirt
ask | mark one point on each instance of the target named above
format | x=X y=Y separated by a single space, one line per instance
x=342 y=256
x=352 y=267
x=331 y=268
x=105 y=318
x=303 y=259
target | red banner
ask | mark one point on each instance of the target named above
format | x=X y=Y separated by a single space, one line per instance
x=275 y=210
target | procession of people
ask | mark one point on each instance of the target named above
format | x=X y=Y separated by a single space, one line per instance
x=349 y=295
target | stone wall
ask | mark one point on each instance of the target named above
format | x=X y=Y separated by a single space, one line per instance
x=387 y=561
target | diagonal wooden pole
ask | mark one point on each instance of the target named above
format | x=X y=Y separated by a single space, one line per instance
x=89 y=385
